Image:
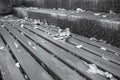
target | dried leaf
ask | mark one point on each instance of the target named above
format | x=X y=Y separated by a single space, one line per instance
x=36 y=27
x=16 y=45
x=29 y=43
x=79 y=9
x=34 y=47
x=103 y=48
x=116 y=54
x=104 y=58
x=22 y=25
x=17 y=65
x=79 y=46
x=104 y=16
x=1 y=47
x=26 y=77
x=93 y=39
x=96 y=14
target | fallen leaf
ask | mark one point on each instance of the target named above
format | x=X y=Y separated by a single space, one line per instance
x=26 y=77
x=16 y=45
x=79 y=46
x=79 y=9
x=96 y=14
x=1 y=47
x=36 y=27
x=104 y=16
x=22 y=25
x=17 y=65
x=34 y=47
x=103 y=48
x=93 y=39
x=29 y=43
x=117 y=54
x=104 y=58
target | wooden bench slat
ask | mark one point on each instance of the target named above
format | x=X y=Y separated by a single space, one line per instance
x=7 y=65
x=104 y=54
x=110 y=48
x=72 y=60
x=87 y=40
x=114 y=69
x=64 y=72
x=31 y=67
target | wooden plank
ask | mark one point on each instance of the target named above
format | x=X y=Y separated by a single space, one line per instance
x=94 y=43
x=95 y=50
x=33 y=70
x=104 y=54
x=7 y=65
x=65 y=56
x=106 y=65
x=108 y=47
x=60 y=69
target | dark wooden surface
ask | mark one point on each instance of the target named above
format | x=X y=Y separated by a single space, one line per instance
x=43 y=58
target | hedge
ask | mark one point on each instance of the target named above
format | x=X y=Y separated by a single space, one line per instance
x=92 y=28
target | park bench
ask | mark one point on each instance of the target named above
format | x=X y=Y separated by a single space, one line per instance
x=29 y=53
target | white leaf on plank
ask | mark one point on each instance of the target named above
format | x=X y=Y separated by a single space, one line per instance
x=17 y=65
x=116 y=54
x=93 y=39
x=104 y=16
x=79 y=46
x=22 y=25
x=36 y=27
x=34 y=47
x=1 y=47
x=104 y=58
x=103 y=48
x=96 y=14
x=29 y=43
x=16 y=45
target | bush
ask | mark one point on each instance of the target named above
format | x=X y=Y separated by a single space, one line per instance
x=92 y=28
